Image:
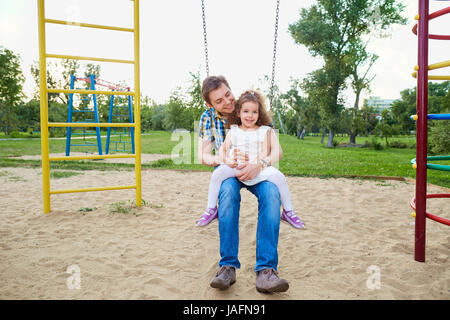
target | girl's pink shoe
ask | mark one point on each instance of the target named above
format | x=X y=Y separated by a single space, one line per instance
x=292 y=218
x=208 y=216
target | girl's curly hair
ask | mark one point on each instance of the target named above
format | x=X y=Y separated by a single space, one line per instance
x=264 y=116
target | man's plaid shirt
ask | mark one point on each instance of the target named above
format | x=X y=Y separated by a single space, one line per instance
x=212 y=127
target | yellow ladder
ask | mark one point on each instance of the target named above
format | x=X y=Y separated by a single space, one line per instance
x=43 y=55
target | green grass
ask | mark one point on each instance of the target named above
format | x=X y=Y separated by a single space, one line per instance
x=60 y=174
x=130 y=207
x=9 y=176
x=301 y=157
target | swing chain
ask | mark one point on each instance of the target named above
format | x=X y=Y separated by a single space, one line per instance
x=205 y=38
x=272 y=84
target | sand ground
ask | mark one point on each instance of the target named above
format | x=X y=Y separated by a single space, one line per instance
x=358 y=231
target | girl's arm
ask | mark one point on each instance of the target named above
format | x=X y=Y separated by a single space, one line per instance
x=223 y=153
x=224 y=148
x=272 y=152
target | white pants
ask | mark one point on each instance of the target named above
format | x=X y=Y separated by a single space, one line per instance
x=224 y=172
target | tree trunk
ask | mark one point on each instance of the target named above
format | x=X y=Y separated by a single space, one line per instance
x=302 y=135
x=353 y=137
x=281 y=123
x=7 y=120
x=330 y=139
x=323 y=134
x=299 y=126
x=354 y=133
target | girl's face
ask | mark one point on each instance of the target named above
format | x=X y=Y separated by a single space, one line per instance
x=249 y=114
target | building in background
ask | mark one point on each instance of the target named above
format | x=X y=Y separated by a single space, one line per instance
x=379 y=104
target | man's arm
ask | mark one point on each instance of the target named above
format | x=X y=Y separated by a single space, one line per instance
x=205 y=153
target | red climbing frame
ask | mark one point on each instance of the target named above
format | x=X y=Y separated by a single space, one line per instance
x=419 y=202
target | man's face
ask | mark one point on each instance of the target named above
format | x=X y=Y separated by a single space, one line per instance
x=222 y=99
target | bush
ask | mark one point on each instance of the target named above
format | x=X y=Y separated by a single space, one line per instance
x=16 y=134
x=439 y=141
x=398 y=144
x=335 y=143
x=374 y=144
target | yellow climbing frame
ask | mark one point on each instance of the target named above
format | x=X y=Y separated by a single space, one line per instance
x=43 y=55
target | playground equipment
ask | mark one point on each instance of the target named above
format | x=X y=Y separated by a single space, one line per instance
x=274 y=56
x=419 y=202
x=84 y=108
x=120 y=112
x=43 y=55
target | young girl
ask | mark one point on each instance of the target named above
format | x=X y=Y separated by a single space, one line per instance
x=251 y=134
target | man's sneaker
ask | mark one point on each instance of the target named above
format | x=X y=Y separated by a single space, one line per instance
x=290 y=217
x=224 y=278
x=208 y=216
x=267 y=281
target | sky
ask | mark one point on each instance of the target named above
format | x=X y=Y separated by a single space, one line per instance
x=240 y=42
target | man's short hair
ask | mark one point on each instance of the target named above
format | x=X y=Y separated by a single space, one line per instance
x=212 y=83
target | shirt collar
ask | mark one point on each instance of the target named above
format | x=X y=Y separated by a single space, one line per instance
x=218 y=115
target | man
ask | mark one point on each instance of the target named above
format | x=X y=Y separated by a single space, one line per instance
x=212 y=131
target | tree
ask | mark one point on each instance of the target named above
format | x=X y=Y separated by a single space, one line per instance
x=386 y=126
x=70 y=67
x=58 y=77
x=440 y=137
x=28 y=115
x=403 y=109
x=277 y=108
x=158 y=117
x=438 y=102
x=302 y=116
x=317 y=86
x=195 y=105
x=353 y=123
x=147 y=112
x=369 y=118
x=52 y=82
x=176 y=115
x=11 y=81
x=359 y=83
x=330 y=29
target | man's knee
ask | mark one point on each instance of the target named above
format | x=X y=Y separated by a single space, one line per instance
x=230 y=190
x=270 y=191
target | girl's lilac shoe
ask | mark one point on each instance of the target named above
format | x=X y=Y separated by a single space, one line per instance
x=208 y=216
x=291 y=217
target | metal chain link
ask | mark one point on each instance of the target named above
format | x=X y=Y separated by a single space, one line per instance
x=205 y=38
x=272 y=83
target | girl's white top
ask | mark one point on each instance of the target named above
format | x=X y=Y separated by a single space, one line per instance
x=251 y=142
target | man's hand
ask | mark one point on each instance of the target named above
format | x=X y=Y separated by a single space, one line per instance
x=231 y=162
x=248 y=171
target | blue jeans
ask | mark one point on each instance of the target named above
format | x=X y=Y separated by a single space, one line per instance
x=268 y=223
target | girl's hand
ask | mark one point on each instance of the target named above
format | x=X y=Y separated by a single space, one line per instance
x=240 y=156
x=231 y=162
